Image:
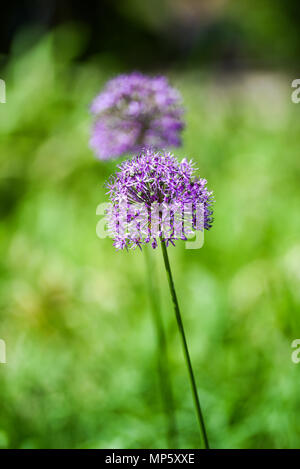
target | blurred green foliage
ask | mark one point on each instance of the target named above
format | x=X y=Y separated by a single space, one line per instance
x=81 y=359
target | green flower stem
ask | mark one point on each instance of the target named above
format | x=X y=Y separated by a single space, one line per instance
x=185 y=347
x=162 y=356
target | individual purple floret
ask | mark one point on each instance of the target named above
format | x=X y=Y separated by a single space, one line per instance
x=135 y=111
x=155 y=197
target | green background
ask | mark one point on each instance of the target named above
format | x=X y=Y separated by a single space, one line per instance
x=81 y=366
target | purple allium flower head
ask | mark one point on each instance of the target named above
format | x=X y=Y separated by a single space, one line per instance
x=154 y=196
x=135 y=111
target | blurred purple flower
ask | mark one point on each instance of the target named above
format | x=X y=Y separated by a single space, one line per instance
x=135 y=111
x=154 y=196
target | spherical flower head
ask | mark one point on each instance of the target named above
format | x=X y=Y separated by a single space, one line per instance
x=135 y=111
x=155 y=197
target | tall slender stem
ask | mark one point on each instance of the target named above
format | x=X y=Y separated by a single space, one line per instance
x=162 y=356
x=185 y=347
